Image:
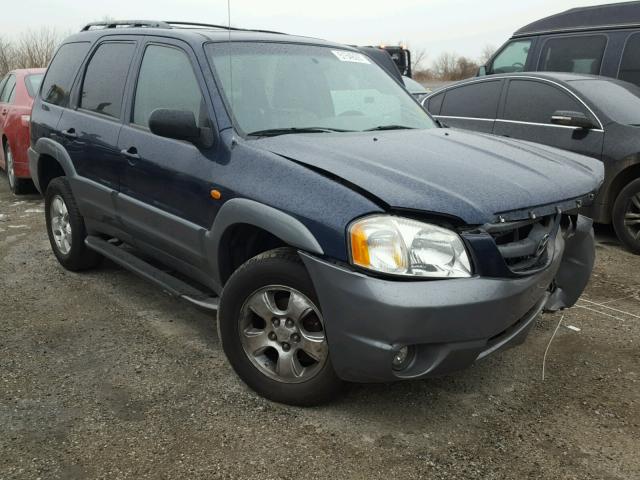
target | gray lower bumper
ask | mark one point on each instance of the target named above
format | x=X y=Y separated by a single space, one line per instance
x=448 y=323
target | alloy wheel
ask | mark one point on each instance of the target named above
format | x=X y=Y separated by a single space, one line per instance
x=632 y=216
x=60 y=225
x=282 y=333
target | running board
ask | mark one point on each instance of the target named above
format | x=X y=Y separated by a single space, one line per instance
x=170 y=284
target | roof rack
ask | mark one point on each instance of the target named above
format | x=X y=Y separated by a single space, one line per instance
x=125 y=23
x=162 y=24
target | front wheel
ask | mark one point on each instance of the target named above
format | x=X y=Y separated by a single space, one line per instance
x=273 y=333
x=626 y=216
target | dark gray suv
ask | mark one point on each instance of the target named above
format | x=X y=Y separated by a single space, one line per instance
x=295 y=187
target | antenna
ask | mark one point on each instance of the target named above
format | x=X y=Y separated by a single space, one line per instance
x=230 y=66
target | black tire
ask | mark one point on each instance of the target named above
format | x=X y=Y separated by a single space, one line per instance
x=18 y=186
x=281 y=267
x=79 y=257
x=628 y=204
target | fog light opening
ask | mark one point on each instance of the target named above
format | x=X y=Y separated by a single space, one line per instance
x=401 y=358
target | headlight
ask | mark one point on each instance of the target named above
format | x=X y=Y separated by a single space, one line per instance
x=401 y=246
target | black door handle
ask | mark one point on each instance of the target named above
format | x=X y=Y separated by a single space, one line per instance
x=131 y=153
x=70 y=133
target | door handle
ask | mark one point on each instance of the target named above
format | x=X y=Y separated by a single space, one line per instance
x=70 y=133
x=131 y=153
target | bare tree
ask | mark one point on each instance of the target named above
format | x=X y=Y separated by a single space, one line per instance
x=419 y=58
x=487 y=53
x=34 y=48
x=7 y=56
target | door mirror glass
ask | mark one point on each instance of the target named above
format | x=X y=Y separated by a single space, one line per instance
x=571 y=119
x=178 y=124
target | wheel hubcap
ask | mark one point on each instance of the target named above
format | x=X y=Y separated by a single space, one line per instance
x=632 y=216
x=60 y=225
x=282 y=334
x=10 y=171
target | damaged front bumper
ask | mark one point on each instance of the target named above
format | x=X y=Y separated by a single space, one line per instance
x=446 y=324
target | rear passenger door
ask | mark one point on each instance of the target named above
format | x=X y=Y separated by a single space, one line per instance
x=473 y=106
x=90 y=129
x=528 y=107
x=165 y=200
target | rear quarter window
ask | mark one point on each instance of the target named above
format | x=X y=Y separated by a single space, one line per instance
x=630 y=63
x=32 y=82
x=434 y=104
x=58 y=80
x=478 y=100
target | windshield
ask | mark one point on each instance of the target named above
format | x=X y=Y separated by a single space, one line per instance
x=280 y=86
x=619 y=100
x=33 y=82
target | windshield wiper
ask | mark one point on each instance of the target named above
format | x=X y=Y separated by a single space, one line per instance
x=389 y=127
x=272 y=132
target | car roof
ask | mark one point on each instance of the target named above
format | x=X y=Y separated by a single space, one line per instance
x=195 y=33
x=613 y=15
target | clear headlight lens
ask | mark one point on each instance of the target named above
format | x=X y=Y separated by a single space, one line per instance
x=401 y=246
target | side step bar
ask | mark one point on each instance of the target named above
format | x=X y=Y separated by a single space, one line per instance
x=170 y=284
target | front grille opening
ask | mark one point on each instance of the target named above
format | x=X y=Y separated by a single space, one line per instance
x=525 y=245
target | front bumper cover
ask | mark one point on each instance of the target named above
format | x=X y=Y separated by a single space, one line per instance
x=449 y=323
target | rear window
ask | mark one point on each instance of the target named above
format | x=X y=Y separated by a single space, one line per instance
x=33 y=82
x=61 y=73
x=630 y=65
x=478 y=100
x=581 y=54
x=620 y=101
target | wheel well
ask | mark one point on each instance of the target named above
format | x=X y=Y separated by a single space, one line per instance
x=48 y=169
x=622 y=180
x=240 y=243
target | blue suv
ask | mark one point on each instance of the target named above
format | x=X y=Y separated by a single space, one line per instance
x=297 y=189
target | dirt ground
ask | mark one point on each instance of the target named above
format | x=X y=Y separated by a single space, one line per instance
x=103 y=376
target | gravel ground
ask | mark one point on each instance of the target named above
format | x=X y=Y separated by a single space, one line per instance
x=103 y=376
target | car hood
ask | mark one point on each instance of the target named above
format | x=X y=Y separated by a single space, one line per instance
x=471 y=176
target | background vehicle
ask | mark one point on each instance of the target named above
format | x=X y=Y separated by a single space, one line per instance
x=401 y=57
x=601 y=40
x=300 y=182
x=591 y=115
x=17 y=90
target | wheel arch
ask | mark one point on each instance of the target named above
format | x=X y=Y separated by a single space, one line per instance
x=257 y=228
x=623 y=178
x=52 y=161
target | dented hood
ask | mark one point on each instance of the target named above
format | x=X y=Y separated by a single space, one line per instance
x=471 y=176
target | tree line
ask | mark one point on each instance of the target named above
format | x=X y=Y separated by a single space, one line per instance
x=448 y=66
x=31 y=49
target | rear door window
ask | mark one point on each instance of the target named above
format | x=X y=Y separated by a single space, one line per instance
x=535 y=102
x=477 y=100
x=630 y=64
x=578 y=54
x=7 y=91
x=57 y=83
x=105 y=78
x=512 y=58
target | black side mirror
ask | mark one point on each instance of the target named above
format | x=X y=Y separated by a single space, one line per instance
x=178 y=124
x=572 y=119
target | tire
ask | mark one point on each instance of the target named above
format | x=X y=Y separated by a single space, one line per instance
x=18 y=186
x=280 y=368
x=626 y=216
x=72 y=254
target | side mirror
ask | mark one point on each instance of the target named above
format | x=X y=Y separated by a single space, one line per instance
x=482 y=71
x=178 y=124
x=572 y=119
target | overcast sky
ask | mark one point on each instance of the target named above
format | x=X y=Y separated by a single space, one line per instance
x=464 y=26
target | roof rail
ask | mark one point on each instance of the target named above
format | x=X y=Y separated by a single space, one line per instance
x=213 y=25
x=124 y=23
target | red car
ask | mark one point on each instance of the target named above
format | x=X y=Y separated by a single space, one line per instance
x=17 y=90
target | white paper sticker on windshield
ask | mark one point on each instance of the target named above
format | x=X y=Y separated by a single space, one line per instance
x=345 y=56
